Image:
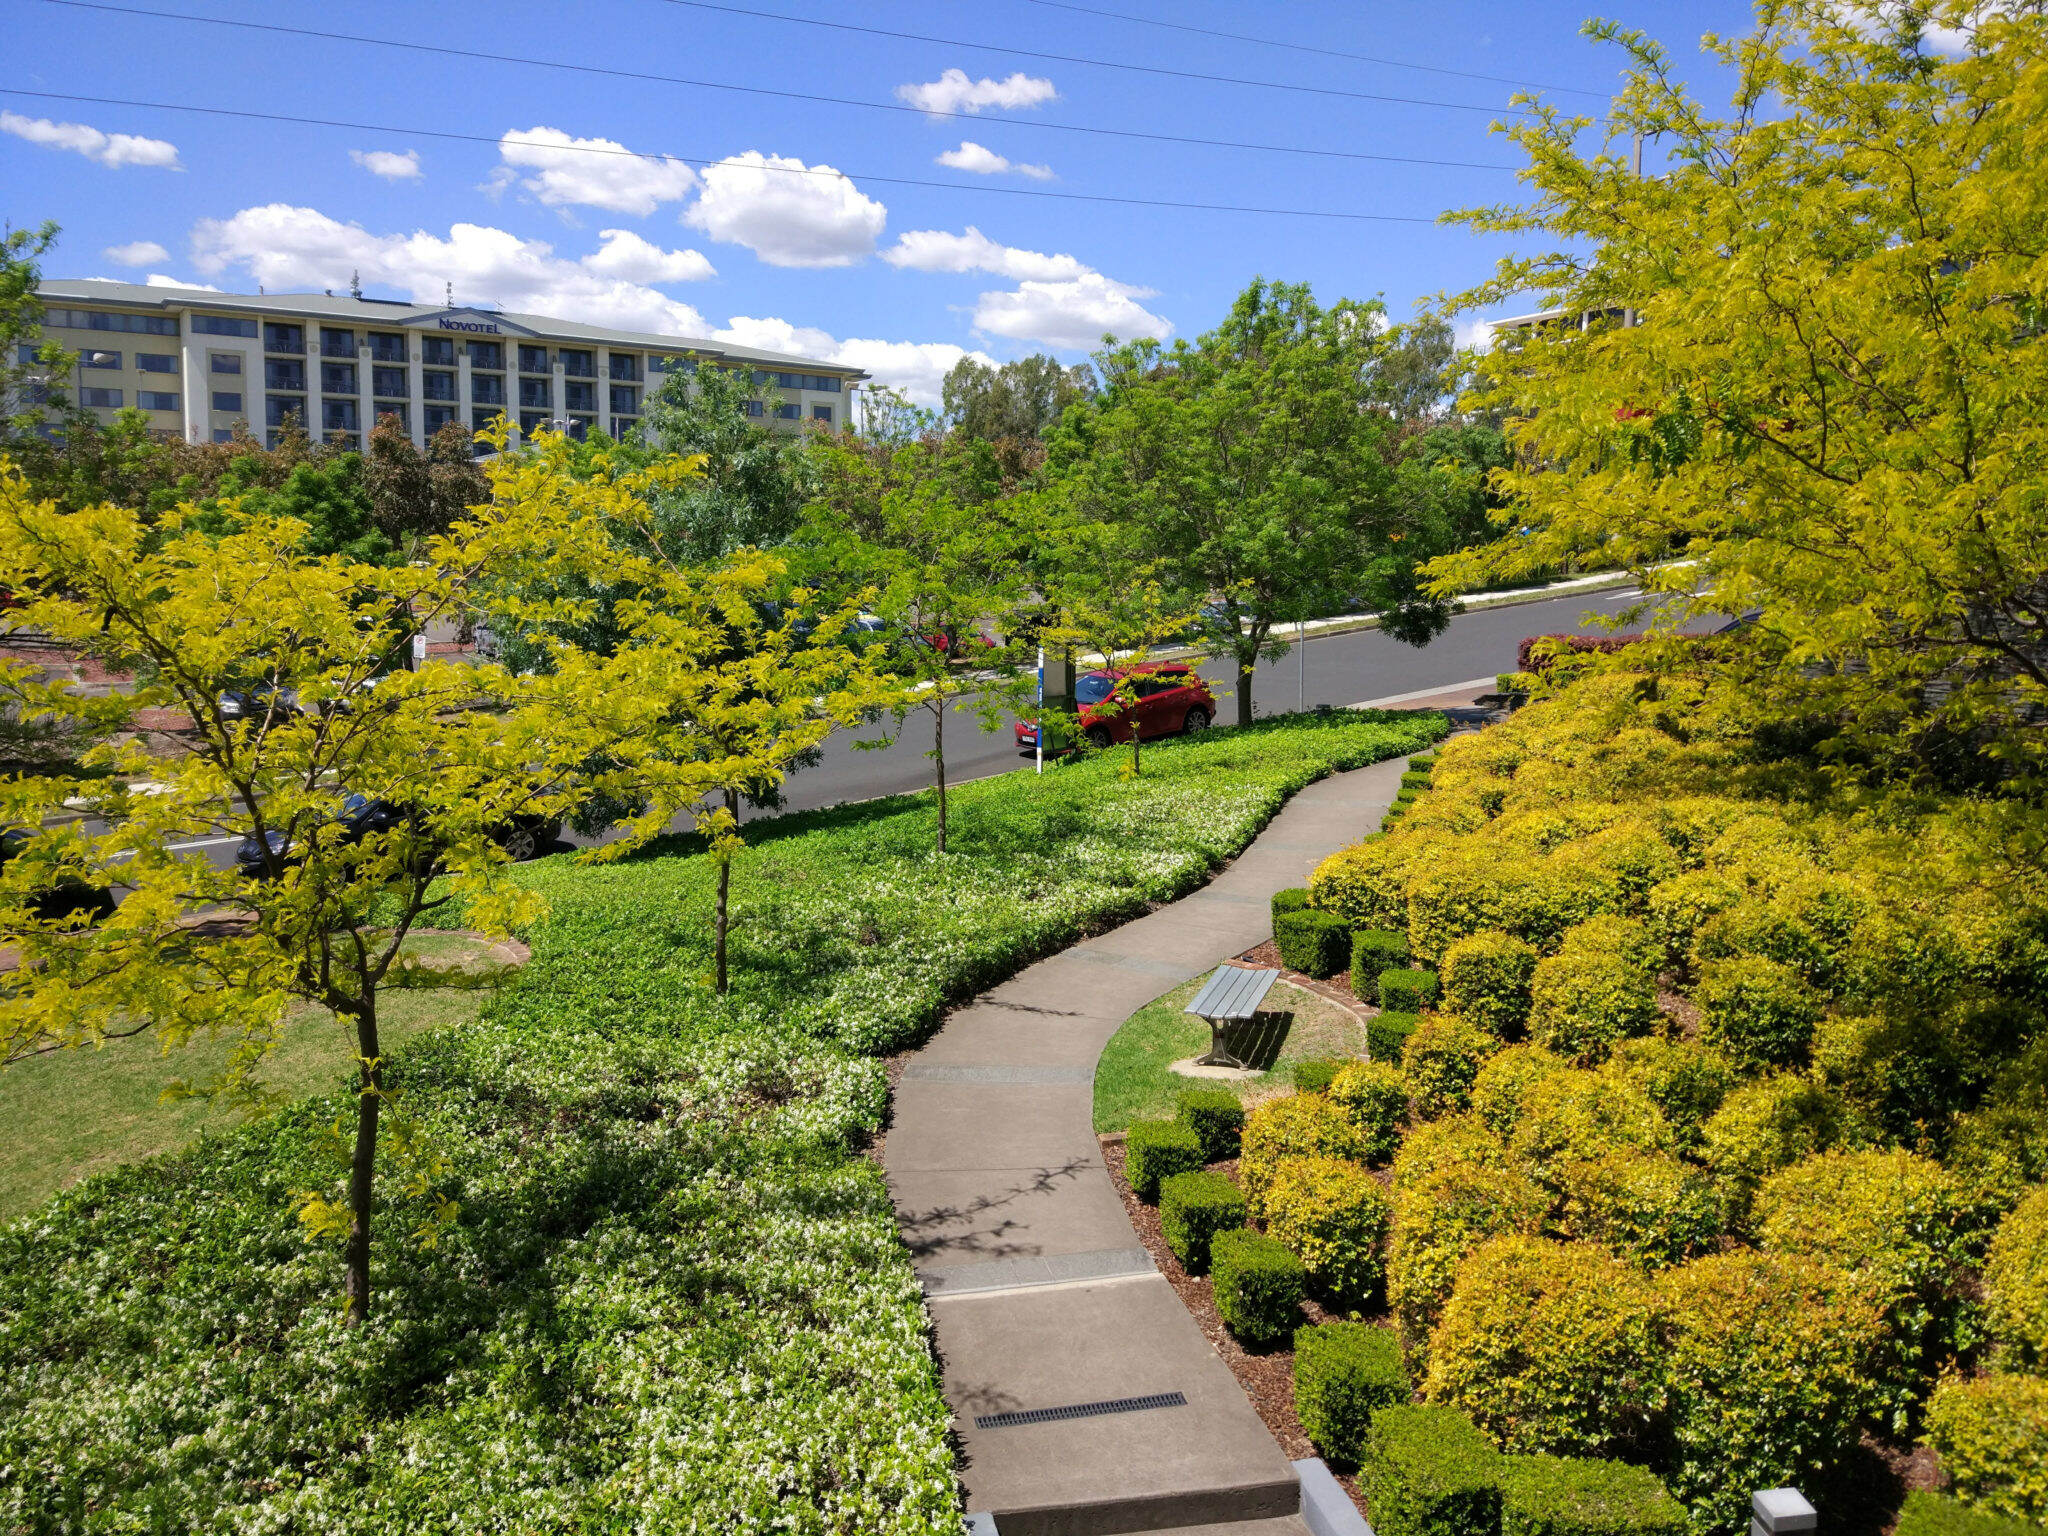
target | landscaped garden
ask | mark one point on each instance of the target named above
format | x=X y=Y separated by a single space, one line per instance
x=1712 y=1164
x=674 y=1297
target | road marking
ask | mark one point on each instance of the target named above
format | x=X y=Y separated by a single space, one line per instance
x=204 y=842
x=1428 y=693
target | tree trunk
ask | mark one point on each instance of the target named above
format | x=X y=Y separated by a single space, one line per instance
x=1137 y=746
x=939 y=758
x=362 y=1171
x=732 y=806
x=1244 y=688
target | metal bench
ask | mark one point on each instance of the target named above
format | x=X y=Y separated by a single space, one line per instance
x=1230 y=996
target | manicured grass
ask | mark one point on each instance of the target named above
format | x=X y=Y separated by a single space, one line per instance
x=1135 y=1079
x=80 y=1112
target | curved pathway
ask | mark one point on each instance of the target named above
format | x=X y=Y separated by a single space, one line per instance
x=1041 y=1294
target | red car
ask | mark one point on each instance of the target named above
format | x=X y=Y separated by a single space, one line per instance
x=1171 y=696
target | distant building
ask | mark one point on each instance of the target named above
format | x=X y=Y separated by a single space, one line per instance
x=200 y=362
x=1560 y=319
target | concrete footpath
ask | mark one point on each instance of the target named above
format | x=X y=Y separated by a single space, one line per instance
x=1087 y=1399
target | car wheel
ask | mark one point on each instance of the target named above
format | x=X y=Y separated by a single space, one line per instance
x=519 y=844
x=1098 y=738
x=1198 y=719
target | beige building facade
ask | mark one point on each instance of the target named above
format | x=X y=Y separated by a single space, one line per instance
x=200 y=363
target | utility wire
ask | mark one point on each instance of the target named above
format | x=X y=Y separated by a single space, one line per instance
x=1068 y=58
x=477 y=55
x=514 y=141
x=1328 y=53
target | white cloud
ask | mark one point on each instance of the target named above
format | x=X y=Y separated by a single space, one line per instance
x=981 y=161
x=953 y=91
x=787 y=213
x=165 y=280
x=286 y=248
x=628 y=256
x=589 y=173
x=390 y=164
x=1075 y=313
x=934 y=250
x=914 y=367
x=109 y=149
x=137 y=253
x=1473 y=333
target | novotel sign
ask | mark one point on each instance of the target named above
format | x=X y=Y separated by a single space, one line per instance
x=483 y=327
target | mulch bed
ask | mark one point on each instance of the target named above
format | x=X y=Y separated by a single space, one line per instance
x=1267 y=1376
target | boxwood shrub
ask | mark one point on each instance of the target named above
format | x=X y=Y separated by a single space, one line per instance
x=2016 y=1285
x=1315 y=943
x=1430 y=1472
x=1344 y=1373
x=1760 y=1012
x=1573 y=1114
x=1592 y=993
x=1684 y=1079
x=1486 y=978
x=1293 y=899
x=1302 y=1125
x=1992 y=1437
x=1317 y=1073
x=1373 y=952
x=1440 y=1216
x=1155 y=1149
x=1932 y=1514
x=1333 y=1216
x=1504 y=1080
x=1386 y=1034
x=1415 y=778
x=1440 y=1061
x=1258 y=1285
x=1406 y=990
x=1216 y=1116
x=1761 y=1127
x=1193 y=1208
x=1375 y=1097
x=1577 y=1496
x=1649 y=1208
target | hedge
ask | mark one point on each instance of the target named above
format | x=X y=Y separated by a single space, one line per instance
x=1193 y=1208
x=1759 y=1011
x=1527 y=659
x=2016 y=1285
x=1373 y=952
x=1303 y=1125
x=1374 y=1096
x=1548 y=1346
x=1333 y=1216
x=1344 y=1373
x=1315 y=943
x=1440 y=1061
x=1157 y=1149
x=1316 y=1074
x=1430 y=1472
x=1386 y=1034
x=1216 y=1115
x=1504 y=1080
x=1573 y=1114
x=1591 y=994
x=1685 y=1080
x=1930 y=1514
x=1486 y=979
x=1992 y=1437
x=1406 y=990
x=1575 y=1496
x=1294 y=899
x=1648 y=1208
x=1258 y=1285
x=1761 y=1127
x=1440 y=1216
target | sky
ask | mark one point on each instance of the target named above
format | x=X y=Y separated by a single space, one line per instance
x=946 y=200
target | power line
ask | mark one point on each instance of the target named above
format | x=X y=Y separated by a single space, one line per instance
x=1068 y=58
x=705 y=160
x=477 y=55
x=1328 y=53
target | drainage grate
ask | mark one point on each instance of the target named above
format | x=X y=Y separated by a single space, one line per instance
x=1080 y=1410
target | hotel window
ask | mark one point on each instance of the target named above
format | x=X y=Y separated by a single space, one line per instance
x=388 y=381
x=625 y=400
x=437 y=386
x=435 y=417
x=533 y=359
x=822 y=413
x=486 y=354
x=755 y=408
x=99 y=359
x=157 y=362
x=531 y=422
x=789 y=381
x=156 y=400
x=279 y=408
x=101 y=320
x=486 y=389
x=338 y=416
x=102 y=399
x=25 y=353
x=335 y=343
x=223 y=434
x=534 y=392
x=625 y=367
x=821 y=381
x=575 y=364
x=438 y=349
x=284 y=374
x=283 y=338
x=787 y=411
x=478 y=420
x=579 y=427
x=221 y=325
x=338 y=378
x=386 y=348
x=226 y=400
x=398 y=412
x=579 y=396
x=226 y=362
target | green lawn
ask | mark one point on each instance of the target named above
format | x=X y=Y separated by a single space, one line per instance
x=1135 y=1079
x=77 y=1112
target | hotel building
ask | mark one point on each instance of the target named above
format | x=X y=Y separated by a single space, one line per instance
x=200 y=363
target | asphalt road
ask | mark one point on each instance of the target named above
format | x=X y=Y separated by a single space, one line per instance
x=1341 y=669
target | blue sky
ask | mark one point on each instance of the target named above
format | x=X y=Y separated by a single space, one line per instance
x=762 y=247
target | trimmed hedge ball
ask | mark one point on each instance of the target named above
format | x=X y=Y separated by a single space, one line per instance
x=1258 y=1284
x=1575 y=1496
x=1574 y=1113
x=1430 y=1472
x=1440 y=1216
x=2016 y=1285
x=1486 y=979
x=1761 y=1127
x=1505 y=1080
x=1154 y=1149
x=1217 y=1117
x=1595 y=991
x=1932 y=1514
x=1440 y=1061
x=1386 y=1034
x=1315 y=943
x=1375 y=951
x=1294 y=899
x=1760 y=1012
x=1992 y=1437
x=1303 y=1125
x=1375 y=1096
x=1316 y=1075
x=1332 y=1215
x=1193 y=1208
x=1685 y=1080
x=1650 y=1209
x=1407 y=991
x=1344 y=1373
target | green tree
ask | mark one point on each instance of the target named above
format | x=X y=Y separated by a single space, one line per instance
x=1412 y=377
x=32 y=391
x=454 y=752
x=756 y=480
x=1831 y=405
x=1250 y=474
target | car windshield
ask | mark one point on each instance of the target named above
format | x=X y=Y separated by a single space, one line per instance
x=1094 y=688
